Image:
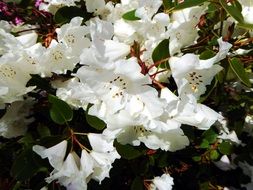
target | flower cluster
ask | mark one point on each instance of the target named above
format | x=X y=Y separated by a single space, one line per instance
x=126 y=64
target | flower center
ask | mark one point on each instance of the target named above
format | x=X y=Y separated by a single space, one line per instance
x=7 y=72
x=195 y=80
x=117 y=86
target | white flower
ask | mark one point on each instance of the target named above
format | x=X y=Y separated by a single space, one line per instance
x=69 y=175
x=57 y=59
x=224 y=163
x=75 y=93
x=116 y=87
x=15 y=120
x=247 y=8
x=94 y=5
x=147 y=8
x=134 y=130
x=181 y=35
x=104 y=154
x=230 y=136
x=103 y=50
x=53 y=5
x=13 y=80
x=192 y=74
x=188 y=111
x=55 y=154
x=10 y=43
x=183 y=30
x=73 y=35
x=164 y=182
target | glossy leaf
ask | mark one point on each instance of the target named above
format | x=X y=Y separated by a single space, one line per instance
x=26 y=165
x=65 y=14
x=226 y=148
x=162 y=52
x=130 y=16
x=238 y=69
x=127 y=151
x=206 y=54
x=167 y=4
x=60 y=111
x=94 y=121
x=233 y=9
x=189 y=3
x=210 y=135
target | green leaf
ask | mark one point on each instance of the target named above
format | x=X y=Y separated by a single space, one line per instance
x=189 y=3
x=238 y=69
x=162 y=52
x=60 y=112
x=204 y=144
x=214 y=154
x=127 y=151
x=210 y=135
x=26 y=165
x=206 y=54
x=233 y=9
x=94 y=121
x=209 y=90
x=167 y=4
x=196 y=158
x=163 y=160
x=137 y=184
x=65 y=14
x=226 y=148
x=130 y=15
x=43 y=131
x=27 y=140
x=245 y=26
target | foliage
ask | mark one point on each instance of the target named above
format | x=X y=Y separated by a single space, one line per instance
x=56 y=116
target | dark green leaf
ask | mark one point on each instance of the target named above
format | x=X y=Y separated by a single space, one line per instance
x=43 y=131
x=27 y=140
x=163 y=160
x=238 y=69
x=210 y=135
x=226 y=148
x=26 y=165
x=233 y=9
x=130 y=16
x=65 y=14
x=94 y=121
x=162 y=52
x=137 y=184
x=128 y=152
x=167 y=4
x=189 y=3
x=60 y=112
x=209 y=90
x=207 y=54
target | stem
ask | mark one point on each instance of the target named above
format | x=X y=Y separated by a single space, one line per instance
x=154 y=75
x=158 y=63
x=77 y=133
